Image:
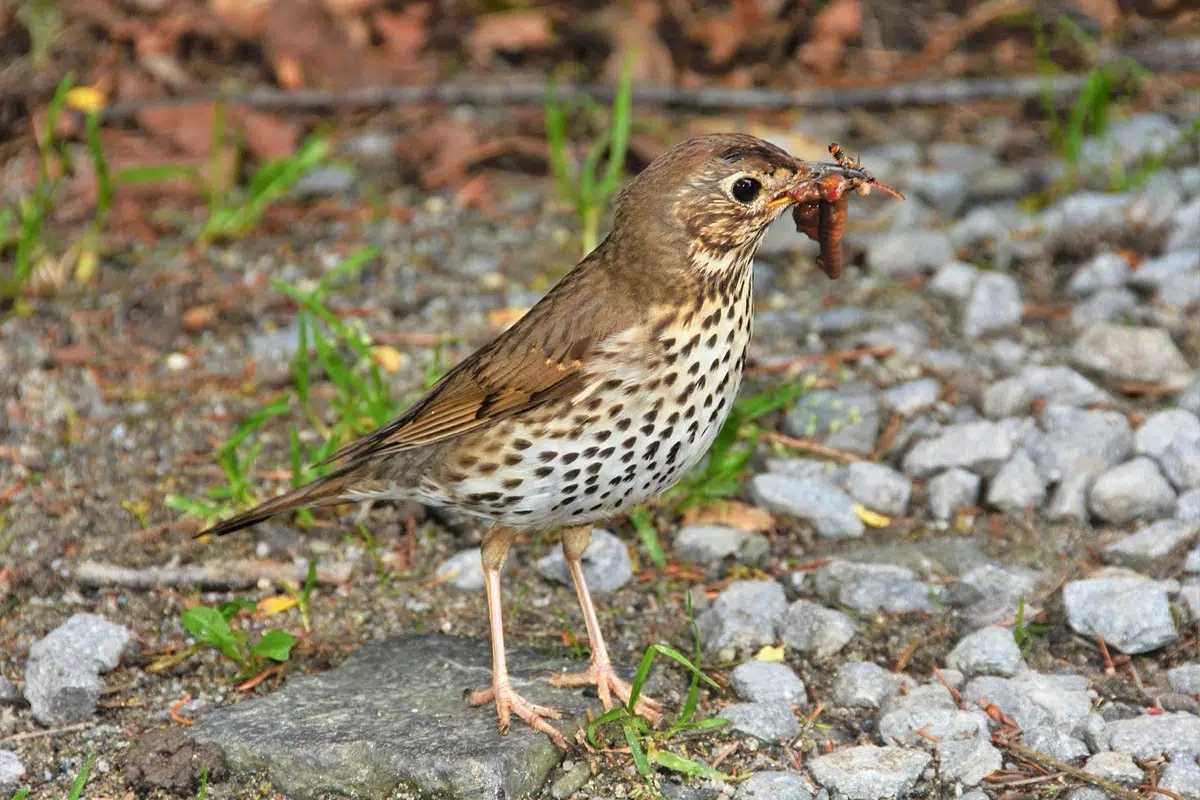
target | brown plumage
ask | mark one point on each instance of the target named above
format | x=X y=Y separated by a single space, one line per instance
x=605 y=392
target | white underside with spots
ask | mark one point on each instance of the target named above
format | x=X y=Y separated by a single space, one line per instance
x=621 y=459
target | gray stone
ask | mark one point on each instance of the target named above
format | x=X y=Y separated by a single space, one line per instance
x=1132 y=613
x=1190 y=564
x=1181 y=776
x=806 y=468
x=981 y=446
x=1185 y=679
x=867 y=772
x=1086 y=213
x=769 y=722
x=899 y=726
x=911 y=397
x=1104 y=306
x=990 y=651
x=861 y=684
x=839 y=320
x=1164 y=427
x=962 y=156
x=1131 y=354
x=908 y=252
x=1035 y=700
x=763 y=682
x=1081 y=441
x=878 y=487
x=999 y=591
x=1155 y=735
x=1185 y=229
x=967 y=761
x=325 y=179
x=8 y=692
x=1189 y=600
x=1006 y=398
x=815 y=500
x=1155 y=203
x=744 y=615
x=1151 y=545
x=393 y=716
x=11 y=770
x=1115 y=767
x=954 y=280
x=463 y=570
x=1132 y=491
x=570 y=783
x=995 y=304
x=606 y=564
x=847 y=419
x=777 y=785
x=997 y=221
x=62 y=675
x=1063 y=386
x=944 y=190
x=1106 y=270
x=812 y=628
x=953 y=489
x=274 y=346
x=706 y=544
x=1154 y=273
x=1180 y=292
x=1087 y=793
x=1188 y=506
x=1018 y=485
x=1128 y=142
x=871 y=587
x=1189 y=398
x=1055 y=743
x=1181 y=463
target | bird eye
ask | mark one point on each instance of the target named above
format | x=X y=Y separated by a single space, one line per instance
x=746 y=189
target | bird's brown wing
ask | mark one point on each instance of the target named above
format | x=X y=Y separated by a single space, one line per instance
x=543 y=357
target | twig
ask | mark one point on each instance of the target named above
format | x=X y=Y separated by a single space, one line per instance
x=1061 y=766
x=809 y=446
x=820 y=358
x=20 y=737
x=1109 y=669
x=175 y=711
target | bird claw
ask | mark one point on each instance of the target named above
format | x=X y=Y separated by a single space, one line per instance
x=604 y=677
x=508 y=702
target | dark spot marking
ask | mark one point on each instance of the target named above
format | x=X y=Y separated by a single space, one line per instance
x=512 y=459
x=512 y=483
x=571 y=474
x=542 y=472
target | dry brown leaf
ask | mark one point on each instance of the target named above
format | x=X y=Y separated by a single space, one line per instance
x=247 y=18
x=188 y=128
x=307 y=46
x=731 y=514
x=266 y=135
x=405 y=35
x=634 y=35
x=836 y=24
x=509 y=32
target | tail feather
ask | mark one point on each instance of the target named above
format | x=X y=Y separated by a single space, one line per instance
x=323 y=492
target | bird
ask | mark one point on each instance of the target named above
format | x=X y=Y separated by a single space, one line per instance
x=606 y=392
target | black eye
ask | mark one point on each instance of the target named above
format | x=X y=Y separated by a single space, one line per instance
x=746 y=189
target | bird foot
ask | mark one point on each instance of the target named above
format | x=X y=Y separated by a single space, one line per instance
x=608 y=683
x=508 y=702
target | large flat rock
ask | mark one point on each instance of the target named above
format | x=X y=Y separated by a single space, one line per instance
x=392 y=722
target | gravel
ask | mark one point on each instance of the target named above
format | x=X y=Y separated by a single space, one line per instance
x=1131 y=354
x=878 y=487
x=1161 y=430
x=11 y=770
x=465 y=569
x=774 y=785
x=815 y=500
x=606 y=564
x=847 y=418
x=744 y=615
x=1115 y=767
x=1181 y=776
x=1035 y=700
x=862 y=684
x=1185 y=679
x=1151 y=545
x=982 y=447
x=990 y=651
x=1018 y=485
x=764 y=682
x=911 y=397
x=1131 y=491
x=867 y=772
x=62 y=675
x=769 y=722
x=902 y=253
x=954 y=280
x=1106 y=270
x=953 y=489
x=1172 y=734
x=967 y=761
x=812 y=628
x=994 y=304
x=1132 y=613
x=706 y=544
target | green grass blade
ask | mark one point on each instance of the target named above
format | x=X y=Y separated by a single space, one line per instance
x=635 y=748
x=154 y=174
x=81 y=780
x=645 y=527
x=622 y=118
x=104 y=183
x=253 y=422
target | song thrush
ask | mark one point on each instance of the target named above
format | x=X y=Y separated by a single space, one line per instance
x=608 y=390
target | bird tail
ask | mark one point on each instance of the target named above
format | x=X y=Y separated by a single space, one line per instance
x=324 y=491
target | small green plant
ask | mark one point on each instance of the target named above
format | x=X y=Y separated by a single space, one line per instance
x=588 y=189
x=720 y=475
x=303 y=595
x=646 y=746
x=43 y=21
x=210 y=627
x=644 y=525
x=1024 y=631
x=233 y=213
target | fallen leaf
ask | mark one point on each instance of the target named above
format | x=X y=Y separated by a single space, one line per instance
x=267 y=136
x=389 y=359
x=870 y=518
x=405 y=35
x=275 y=604
x=731 y=514
x=769 y=654
x=198 y=318
x=836 y=24
x=509 y=32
